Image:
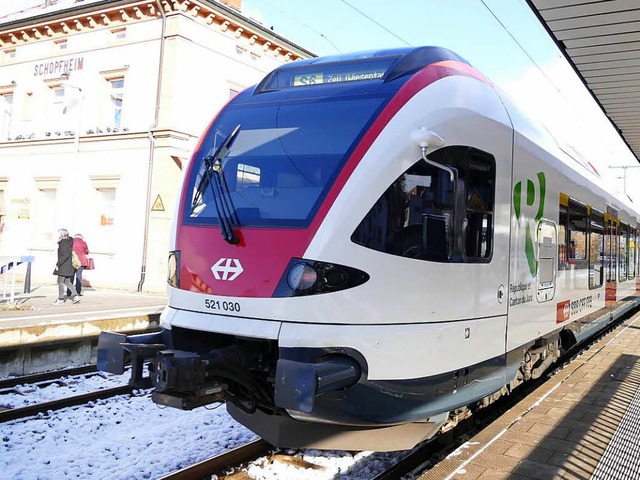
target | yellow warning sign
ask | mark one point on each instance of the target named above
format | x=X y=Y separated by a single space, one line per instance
x=477 y=203
x=158 y=206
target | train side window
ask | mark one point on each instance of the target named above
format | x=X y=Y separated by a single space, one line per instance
x=634 y=248
x=632 y=252
x=623 y=239
x=563 y=258
x=424 y=215
x=610 y=247
x=596 y=249
x=577 y=235
x=479 y=184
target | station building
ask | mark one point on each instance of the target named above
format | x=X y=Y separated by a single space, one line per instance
x=101 y=106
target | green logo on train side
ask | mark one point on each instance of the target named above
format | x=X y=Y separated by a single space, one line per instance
x=530 y=202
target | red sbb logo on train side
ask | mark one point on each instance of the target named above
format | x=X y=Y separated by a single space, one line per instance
x=563 y=311
x=227 y=269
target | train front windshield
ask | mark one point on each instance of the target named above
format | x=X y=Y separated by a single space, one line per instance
x=282 y=161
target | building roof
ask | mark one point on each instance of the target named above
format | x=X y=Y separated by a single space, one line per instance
x=601 y=40
x=65 y=18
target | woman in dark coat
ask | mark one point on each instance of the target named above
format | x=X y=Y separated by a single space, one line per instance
x=64 y=267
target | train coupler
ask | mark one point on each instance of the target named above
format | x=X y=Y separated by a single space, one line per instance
x=188 y=401
x=115 y=350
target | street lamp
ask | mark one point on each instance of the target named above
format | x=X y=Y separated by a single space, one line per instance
x=624 y=174
x=76 y=142
x=76 y=138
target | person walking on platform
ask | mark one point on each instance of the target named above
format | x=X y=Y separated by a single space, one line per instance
x=82 y=250
x=64 y=267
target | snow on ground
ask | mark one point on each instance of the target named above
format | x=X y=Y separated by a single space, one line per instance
x=131 y=438
x=66 y=386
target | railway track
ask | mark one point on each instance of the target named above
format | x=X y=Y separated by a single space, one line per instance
x=52 y=376
x=223 y=462
x=23 y=412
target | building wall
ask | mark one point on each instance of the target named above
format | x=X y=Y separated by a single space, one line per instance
x=81 y=158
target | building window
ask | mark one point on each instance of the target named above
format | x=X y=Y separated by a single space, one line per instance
x=57 y=93
x=103 y=226
x=106 y=202
x=427 y=216
x=234 y=89
x=116 y=97
x=119 y=33
x=9 y=55
x=45 y=214
x=6 y=111
x=596 y=248
x=27 y=110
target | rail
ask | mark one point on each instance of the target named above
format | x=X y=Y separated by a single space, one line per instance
x=224 y=461
x=23 y=412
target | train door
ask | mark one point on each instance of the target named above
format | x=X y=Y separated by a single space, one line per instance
x=610 y=259
x=547 y=239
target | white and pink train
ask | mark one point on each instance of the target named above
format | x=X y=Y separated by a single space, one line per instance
x=370 y=246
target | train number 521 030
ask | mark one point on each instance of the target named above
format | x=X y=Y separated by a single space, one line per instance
x=222 y=306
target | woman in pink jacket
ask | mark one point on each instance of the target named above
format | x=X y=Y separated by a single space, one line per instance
x=81 y=249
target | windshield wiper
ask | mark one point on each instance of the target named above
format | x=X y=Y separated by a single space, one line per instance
x=214 y=177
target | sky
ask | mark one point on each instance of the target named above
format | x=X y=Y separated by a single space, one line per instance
x=501 y=38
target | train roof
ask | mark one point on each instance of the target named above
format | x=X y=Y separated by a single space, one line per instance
x=564 y=157
x=385 y=65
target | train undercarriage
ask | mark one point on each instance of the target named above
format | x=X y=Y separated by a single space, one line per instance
x=282 y=398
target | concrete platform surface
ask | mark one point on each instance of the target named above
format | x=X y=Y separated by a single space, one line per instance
x=583 y=423
x=33 y=318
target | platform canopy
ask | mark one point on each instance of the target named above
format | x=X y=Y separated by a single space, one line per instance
x=601 y=39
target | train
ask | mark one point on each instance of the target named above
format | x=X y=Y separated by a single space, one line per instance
x=369 y=247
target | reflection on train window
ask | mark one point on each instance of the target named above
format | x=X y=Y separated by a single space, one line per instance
x=247 y=176
x=424 y=215
x=573 y=225
x=623 y=239
x=596 y=249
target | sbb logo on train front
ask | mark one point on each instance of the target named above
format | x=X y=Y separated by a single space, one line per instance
x=225 y=267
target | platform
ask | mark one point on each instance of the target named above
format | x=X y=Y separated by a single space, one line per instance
x=583 y=423
x=34 y=319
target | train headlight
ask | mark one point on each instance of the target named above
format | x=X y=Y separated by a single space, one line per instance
x=173 y=272
x=311 y=277
x=302 y=277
